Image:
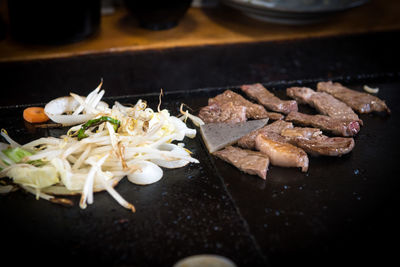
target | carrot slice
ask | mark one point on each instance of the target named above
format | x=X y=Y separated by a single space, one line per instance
x=35 y=115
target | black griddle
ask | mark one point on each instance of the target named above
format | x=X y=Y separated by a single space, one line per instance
x=341 y=212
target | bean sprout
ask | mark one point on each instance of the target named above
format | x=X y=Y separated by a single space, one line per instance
x=96 y=157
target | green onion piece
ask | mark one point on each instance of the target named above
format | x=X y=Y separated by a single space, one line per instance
x=16 y=154
x=81 y=133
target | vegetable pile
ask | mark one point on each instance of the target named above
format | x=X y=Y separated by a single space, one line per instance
x=104 y=146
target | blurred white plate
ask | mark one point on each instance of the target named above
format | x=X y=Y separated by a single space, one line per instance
x=205 y=260
x=292 y=11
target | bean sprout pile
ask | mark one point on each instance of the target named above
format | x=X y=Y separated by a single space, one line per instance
x=103 y=146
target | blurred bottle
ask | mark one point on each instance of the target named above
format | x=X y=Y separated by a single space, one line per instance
x=158 y=14
x=2 y=21
x=2 y=28
x=53 y=21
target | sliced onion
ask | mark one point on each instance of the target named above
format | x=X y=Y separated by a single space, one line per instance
x=182 y=129
x=147 y=173
x=172 y=164
x=370 y=89
x=57 y=108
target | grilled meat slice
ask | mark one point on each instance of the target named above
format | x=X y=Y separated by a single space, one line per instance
x=301 y=132
x=324 y=145
x=249 y=141
x=325 y=123
x=253 y=111
x=315 y=143
x=359 y=101
x=259 y=93
x=282 y=154
x=278 y=126
x=325 y=103
x=251 y=162
x=226 y=112
x=301 y=94
x=311 y=140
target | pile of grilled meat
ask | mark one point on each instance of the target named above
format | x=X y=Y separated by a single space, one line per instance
x=280 y=143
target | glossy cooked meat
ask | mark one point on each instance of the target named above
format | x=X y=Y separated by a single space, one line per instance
x=226 y=112
x=324 y=103
x=260 y=94
x=253 y=111
x=315 y=143
x=325 y=123
x=251 y=162
x=311 y=140
x=282 y=154
x=301 y=132
x=325 y=146
x=249 y=141
x=359 y=101
x=278 y=126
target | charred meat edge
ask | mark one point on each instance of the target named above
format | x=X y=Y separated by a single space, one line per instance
x=301 y=132
x=311 y=140
x=227 y=112
x=324 y=103
x=325 y=146
x=325 y=123
x=359 y=101
x=264 y=97
x=253 y=111
x=248 y=161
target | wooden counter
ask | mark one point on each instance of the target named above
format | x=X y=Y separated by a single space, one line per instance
x=207 y=26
